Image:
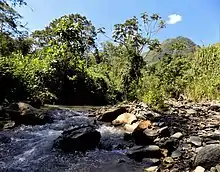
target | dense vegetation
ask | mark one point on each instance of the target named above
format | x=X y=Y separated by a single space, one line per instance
x=62 y=63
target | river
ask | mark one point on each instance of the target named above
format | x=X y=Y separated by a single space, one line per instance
x=30 y=148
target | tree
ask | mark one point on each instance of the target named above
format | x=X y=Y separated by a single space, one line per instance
x=74 y=30
x=9 y=17
x=136 y=35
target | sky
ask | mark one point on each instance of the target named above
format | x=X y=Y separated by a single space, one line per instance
x=198 y=20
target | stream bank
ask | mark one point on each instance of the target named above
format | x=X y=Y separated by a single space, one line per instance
x=134 y=137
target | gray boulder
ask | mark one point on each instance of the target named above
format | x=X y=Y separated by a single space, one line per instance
x=22 y=113
x=111 y=114
x=208 y=157
x=80 y=138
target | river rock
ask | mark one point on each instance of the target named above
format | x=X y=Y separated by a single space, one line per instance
x=140 y=152
x=112 y=114
x=23 y=113
x=199 y=169
x=9 y=124
x=152 y=169
x=125 y=118
x=139 y=136
x=168 y=162
x=176 y=154
x=170 y=144
x=130 y=128
x=177 y=135
x=78 y=139
x=195 y=140
x=208 y=157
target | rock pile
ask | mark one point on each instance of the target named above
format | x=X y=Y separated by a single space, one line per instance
x=186 y=137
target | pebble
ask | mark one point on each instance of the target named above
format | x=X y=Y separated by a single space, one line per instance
x=177 y=135
x=195 y=140
x=199 y=169
x=191 y=111
x=151 y=169
x=213 y=169
x=176 y=154
x=168 y=161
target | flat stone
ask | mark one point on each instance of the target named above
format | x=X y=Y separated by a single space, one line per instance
x=186 y=146
x=212 y=142
x=151 y=133
x=199 y=169
x=140 y=152
x=177 y=135
x=176 y=154
x=195 y=140
x=198 y=149
x=152 y=169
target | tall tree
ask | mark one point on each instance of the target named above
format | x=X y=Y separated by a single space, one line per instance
x=136 y=35
x=74 y=30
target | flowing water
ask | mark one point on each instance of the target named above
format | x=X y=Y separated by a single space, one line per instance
x=30 y=148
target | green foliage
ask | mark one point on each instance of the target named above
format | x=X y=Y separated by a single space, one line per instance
x=9 y=45
x=205 y=72
x=196 y=76
x=9 y=17
x=135 y=35
x=62 y=64
x=29 y=70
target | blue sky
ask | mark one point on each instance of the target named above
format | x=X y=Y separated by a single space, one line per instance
x=199 y=20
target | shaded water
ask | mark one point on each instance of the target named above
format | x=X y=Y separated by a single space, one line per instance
x=30 y=148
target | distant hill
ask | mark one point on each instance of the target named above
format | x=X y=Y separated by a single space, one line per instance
x=179 y=45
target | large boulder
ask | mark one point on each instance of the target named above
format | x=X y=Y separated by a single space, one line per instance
x=208 y=157
x=23 y=113
x=125 y=118
x=138 y=134
x=80 y=138
x=112 y=114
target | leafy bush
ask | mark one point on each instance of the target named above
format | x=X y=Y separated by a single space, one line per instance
x=206 y=75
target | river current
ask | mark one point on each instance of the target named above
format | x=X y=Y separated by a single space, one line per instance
x=30 y=148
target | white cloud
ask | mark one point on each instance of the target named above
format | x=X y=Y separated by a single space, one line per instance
x=174 y=18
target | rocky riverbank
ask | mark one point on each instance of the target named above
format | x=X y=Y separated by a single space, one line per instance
x=126 y=137
x=186 y=137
